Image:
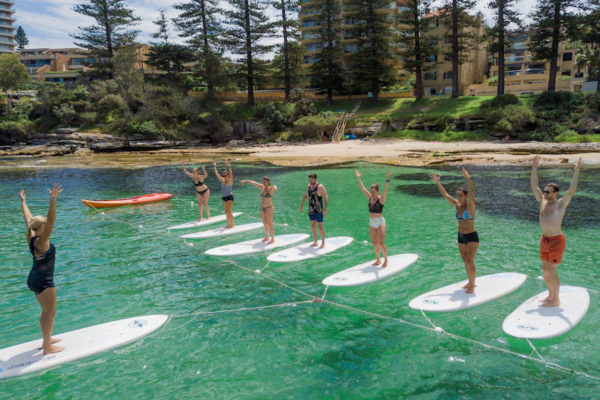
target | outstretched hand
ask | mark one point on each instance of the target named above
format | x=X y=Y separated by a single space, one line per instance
x=466 y=174
x=183 y=163
x=388 y=175
x=22 y=195
x=578 y=165
x=536 y=161
x=227 y=163
x=214 y=163
x=435 y=178
x=56 y=190
x=358 y=174
x=244 y=181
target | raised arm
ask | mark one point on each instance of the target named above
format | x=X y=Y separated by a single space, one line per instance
x=219 y=177
x=470 y=185
x=230 y=172
x=258 y=185
x=386 y=188
x=204 y=174
x=304 y=199
x=273 y=188
x=51 y=217
x=362 y=186
x=26 y=213
x=534 y=179
x=436 y=179
x=566 y=199
x=185 y=171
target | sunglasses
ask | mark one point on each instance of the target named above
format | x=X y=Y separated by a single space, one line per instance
x=547 y=192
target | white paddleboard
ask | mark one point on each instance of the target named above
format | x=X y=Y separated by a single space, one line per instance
x=223 y=232
x=453 y=297
x=367 y=272
x=256 y=245
x=304 y=251
x=204 y=222
x=533 y=321
x=28 y=357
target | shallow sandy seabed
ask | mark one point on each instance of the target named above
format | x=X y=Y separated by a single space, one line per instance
x=393 y=152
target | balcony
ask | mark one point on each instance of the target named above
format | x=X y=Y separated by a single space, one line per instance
x=313 y=11
x=535 y=71
x=512 y=73
x=311 y=24
x=515 y=59
x=11 y=19
x=519 y=45
x=9 y=2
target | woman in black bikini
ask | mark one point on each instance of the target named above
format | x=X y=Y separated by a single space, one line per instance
x=202 y=191
x=41 y=277
x=267 y=210
x=468 y=240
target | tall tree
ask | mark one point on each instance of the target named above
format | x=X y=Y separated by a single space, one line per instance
x=247 y=25
x=551 y=19
x=504 y=16
x=21 y=38
x=454 y=15
x=110 y=32
x=127 y=75
x=199 y=24
x=328 y=71
x=371 y=64
x=13 y=75
x=289 y=27
x=588 y=33
x=417 y=44
x=287 y=70
x=163 y=28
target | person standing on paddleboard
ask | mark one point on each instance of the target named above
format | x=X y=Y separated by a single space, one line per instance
x=316 y=211
x=553 y=242
x=377 y=227
x=468 y=240
x=202 y=191
x=227 y=189
x=41 y=276
x=267 y=209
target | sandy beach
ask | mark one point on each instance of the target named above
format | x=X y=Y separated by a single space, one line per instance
x=393 y=152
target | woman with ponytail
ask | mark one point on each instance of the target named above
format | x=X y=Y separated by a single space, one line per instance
x=41 y=277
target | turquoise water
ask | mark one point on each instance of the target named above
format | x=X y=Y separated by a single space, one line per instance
x=109 y=270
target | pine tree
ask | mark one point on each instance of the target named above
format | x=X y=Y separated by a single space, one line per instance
x=163 y=28
x=418 y=44
x=21 y=38
x=371 y=65
x=550 y=20
x=587 y=32
x=289 y=27
x=199 y=24
x=287 y=71
x=328 y=71
x=247 y=25
x=455 y=16
x=127 y=75
x=110 y=32
x=504 y=16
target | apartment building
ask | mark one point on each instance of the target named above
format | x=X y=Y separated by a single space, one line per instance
x=310 y=25
x=438 y=81
x=7 y=29
x=63 y=65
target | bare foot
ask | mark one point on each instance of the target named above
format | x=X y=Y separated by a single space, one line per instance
x=377 y=262
x=470 y=290
x=53 y=349
x=266 y=239
x=468 y=285
x=384 y=264
x=551 y=303
x=271 y=242
x=547 y=299
x=322 y=246
x=315 y=244
x=55 y=340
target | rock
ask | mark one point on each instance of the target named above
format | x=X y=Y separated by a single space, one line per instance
x=66 y=130
x=83 y=152
x=107 y=146
x=564 y=161
x=236 y=143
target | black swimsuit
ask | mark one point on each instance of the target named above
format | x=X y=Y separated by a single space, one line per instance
x=200 y=183
x=375 y=208
x=41 y=276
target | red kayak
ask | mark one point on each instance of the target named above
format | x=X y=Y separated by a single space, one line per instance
x=148 y=198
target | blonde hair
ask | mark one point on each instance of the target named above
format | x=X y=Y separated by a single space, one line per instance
x=36 y=222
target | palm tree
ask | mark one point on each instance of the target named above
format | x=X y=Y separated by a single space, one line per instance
x=588 y=59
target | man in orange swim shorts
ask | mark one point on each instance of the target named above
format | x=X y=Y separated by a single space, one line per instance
x=553 y=243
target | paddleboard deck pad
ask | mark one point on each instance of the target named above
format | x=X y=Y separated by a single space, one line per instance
x=28 y=357
x=533 y=321
x=454 y=298
x=367 y=272
x=256 y=245
x=223 y=232
x=305 y=251
x=204 y=222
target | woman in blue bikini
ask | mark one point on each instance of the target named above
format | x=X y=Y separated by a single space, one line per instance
x=468 y=240
x=41 y=276
x=202 y=191
x=267 y=210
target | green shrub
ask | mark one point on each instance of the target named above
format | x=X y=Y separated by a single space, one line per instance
x=87 y=118
x=303 y=106
x=111 y=106
x=503 y=100
x=510 y=119
x=554 y=104
x=145 y=128
x=65 y=112
x=593 y=101
x=574 y=137
x=287 y=136
x=313 y=126
x=15 y=130
x=81 y=93
x=274 y=118
x=493 y=81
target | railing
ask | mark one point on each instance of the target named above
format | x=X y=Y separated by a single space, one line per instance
x=338 y=134
x=515 y=59
x=311 y=36
x=512 y=73
x=309 y=48
x=310 y=12
x=519 y=45
x=535 y=71
x=310 y=24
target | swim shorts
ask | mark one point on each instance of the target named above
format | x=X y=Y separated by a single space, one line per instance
x=552 y=248
x=466 y=238
x=376 y=222
x=228 y=198
x=316 y=217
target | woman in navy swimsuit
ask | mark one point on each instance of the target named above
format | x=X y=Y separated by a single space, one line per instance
x=41 y=277
x=468 y=240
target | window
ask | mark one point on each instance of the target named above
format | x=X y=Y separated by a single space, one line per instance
x=448 y=75
x=448 y=58
x=447 y=89
x=448 y=39
x=434 y=23
x=566 y=72
x=568 y=57
x=432 y=58
x=431 y=91
x=431 y=76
